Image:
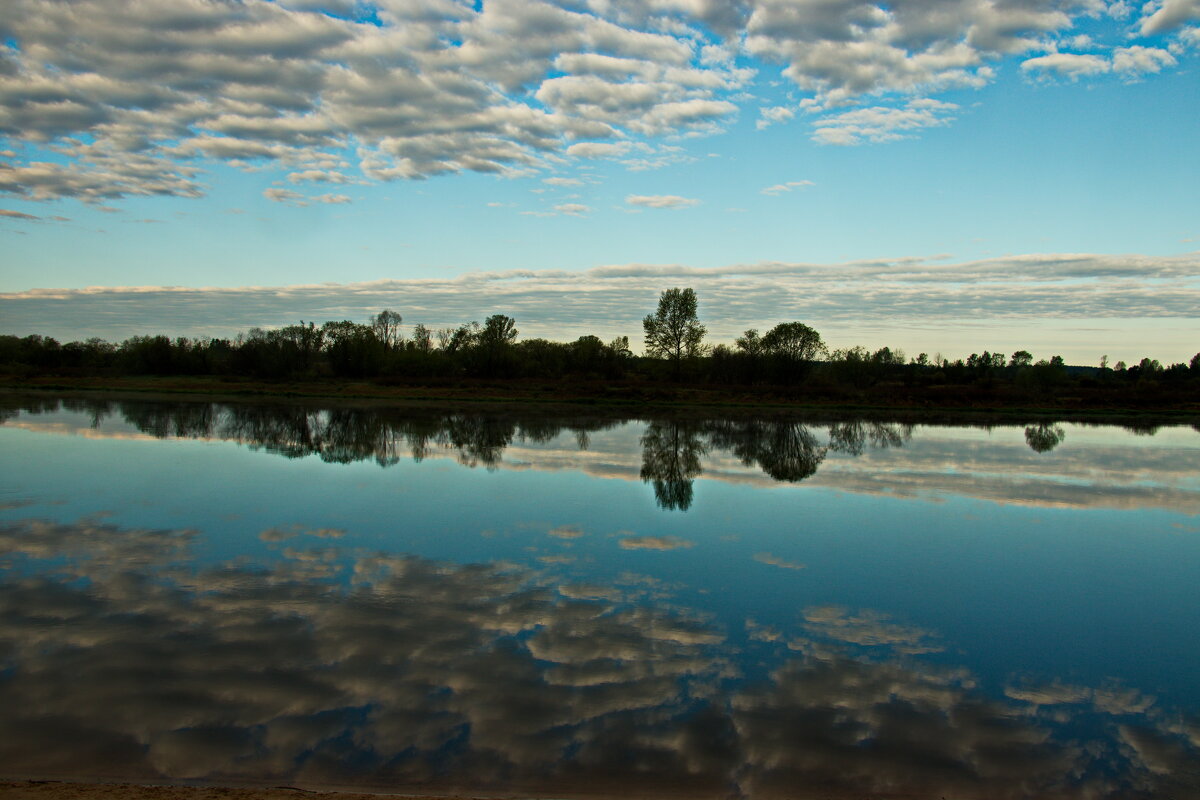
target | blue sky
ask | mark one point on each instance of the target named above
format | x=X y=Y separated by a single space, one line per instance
x=935 y=175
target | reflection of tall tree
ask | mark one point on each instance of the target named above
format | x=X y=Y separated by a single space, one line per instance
x=851 y=438
x=340 y=435
x=1045 y=437
x=670 y=459
x=358 y=434
x=479 y=440
x=290 y=431
x=162 y=420
x=785 y=450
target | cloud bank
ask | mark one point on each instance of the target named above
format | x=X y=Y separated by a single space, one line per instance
x=611 y=300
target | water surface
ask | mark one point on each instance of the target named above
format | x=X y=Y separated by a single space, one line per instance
x=432 y=601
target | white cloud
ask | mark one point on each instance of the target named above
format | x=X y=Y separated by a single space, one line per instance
x=844 y=49
x=881 y=123
x=600 y=149
x=563 y=182
x=1138 y=60
x=298 y=199
x=158 y=89
x=4 y=212
x=1130 y=62
x=1012 y=293
x=1170 y=15
x=572 y=209
x=432 y=87
x=783 y=188
x=285 y=196
x=1067 y=65
x=773 y=114
x=318 y=176
x=660 y=201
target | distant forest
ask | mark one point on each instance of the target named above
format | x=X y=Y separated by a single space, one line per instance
x=789 y=361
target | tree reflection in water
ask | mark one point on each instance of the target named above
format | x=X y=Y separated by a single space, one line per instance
x=1044 y=437
x=670 y=460
x=672 y=449
x=787 y=451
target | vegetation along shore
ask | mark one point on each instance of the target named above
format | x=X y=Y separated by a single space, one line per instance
x=786 y=366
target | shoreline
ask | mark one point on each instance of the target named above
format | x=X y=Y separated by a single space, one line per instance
x=68 y=789
x=615 y=400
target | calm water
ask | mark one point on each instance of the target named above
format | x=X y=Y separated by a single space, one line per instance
x=578 y=606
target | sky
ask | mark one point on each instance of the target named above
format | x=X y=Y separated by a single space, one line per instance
x=940 y=176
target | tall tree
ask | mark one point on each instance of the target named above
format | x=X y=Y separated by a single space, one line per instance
x=386 y=325
x=498 y=332
x=793 y=340
x=674 y=332
x=422 y=338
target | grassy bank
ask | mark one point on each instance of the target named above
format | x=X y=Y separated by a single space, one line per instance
x=630 y=398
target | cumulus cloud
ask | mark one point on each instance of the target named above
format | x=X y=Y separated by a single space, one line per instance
x=660 y=201
x=298 y=199
x=784 y=188
x=1138 y=60
x=1067 y=65
x=408 y=90
x=1129 y=62
x=127 y=99
x=1170 y=15
x=882 y=123
x=768 y=116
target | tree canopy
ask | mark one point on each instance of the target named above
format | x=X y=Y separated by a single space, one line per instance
x=674 y=331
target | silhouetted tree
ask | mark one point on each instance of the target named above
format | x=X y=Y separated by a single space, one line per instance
x=353 y=350
x=793 y=340
x=493 y=345
x=750 y=343
x=422 y=338
x=1021 y=358
x=386 y=325
x=673 y=331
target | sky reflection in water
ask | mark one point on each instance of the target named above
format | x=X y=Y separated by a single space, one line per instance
x=594 y=607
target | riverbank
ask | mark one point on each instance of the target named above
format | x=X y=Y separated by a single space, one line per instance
x=70 y=790
x=624 y=399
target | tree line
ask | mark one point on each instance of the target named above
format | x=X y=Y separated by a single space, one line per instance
x=790 y=357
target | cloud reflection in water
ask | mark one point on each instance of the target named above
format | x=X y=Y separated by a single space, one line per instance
x=328 y=666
